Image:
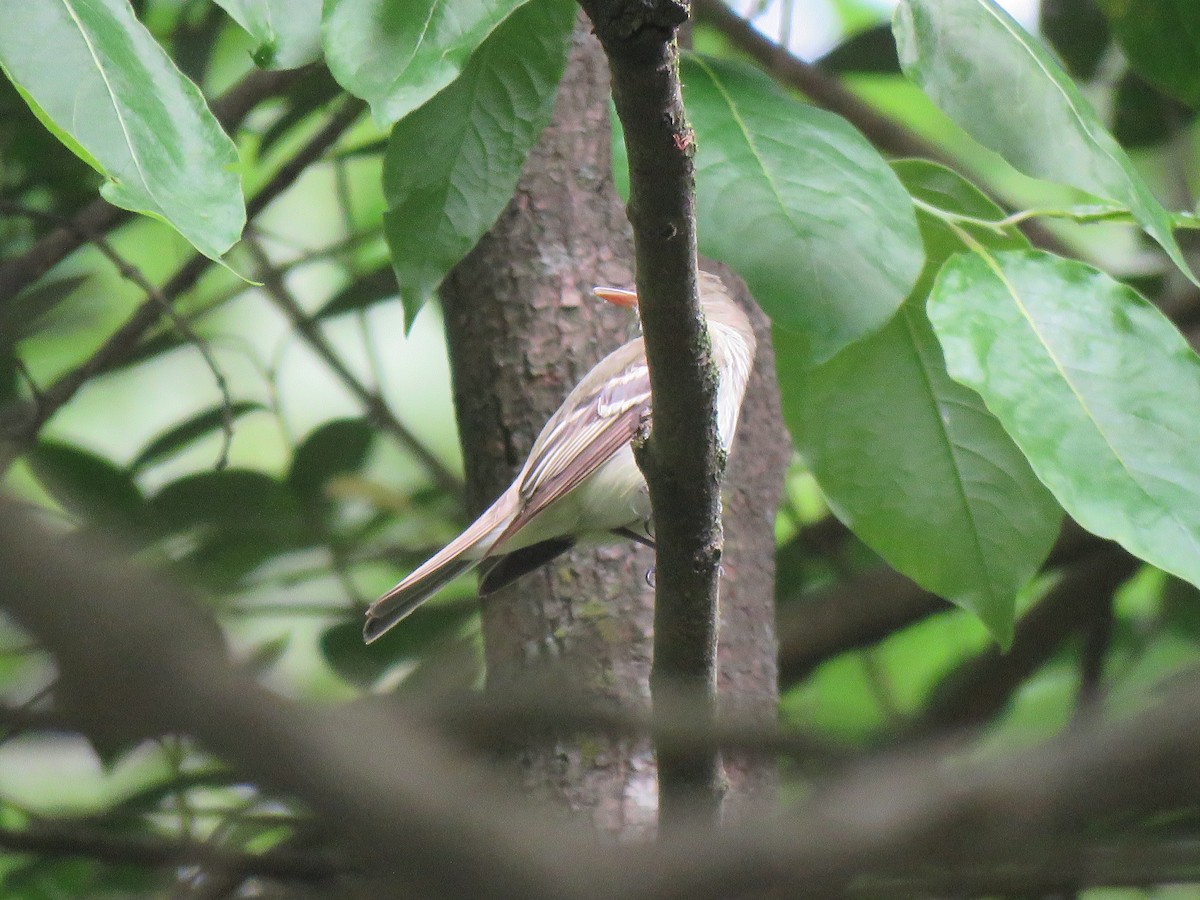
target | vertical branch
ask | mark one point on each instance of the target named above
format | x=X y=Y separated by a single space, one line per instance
x=681 y=458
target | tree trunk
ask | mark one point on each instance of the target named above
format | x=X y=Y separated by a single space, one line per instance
x=523 y=328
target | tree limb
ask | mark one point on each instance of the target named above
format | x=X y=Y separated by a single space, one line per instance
x=124 y=340
x=61 y=839
x=376 y=406
x=100 y=216
x=681 y=458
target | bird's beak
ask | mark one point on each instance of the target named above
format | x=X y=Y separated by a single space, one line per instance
x=616 y=295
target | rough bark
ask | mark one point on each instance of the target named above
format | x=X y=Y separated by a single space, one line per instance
x=522 y=329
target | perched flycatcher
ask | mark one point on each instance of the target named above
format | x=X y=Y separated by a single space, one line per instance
x=581 y=481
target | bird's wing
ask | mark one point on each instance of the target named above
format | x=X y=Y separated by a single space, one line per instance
x=598 y=418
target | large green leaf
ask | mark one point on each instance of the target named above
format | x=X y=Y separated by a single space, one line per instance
x=396 y=55
x=910 y=460
x=87 y=484
x=800 y=204
x=334 y=448
x=174 y=439
x=287 y=32
x=985 y=72
x=343 y=648
x=451 y=166
x=1095 y=385
x=232 y=500
x=97 y=75
x=1161 y=39
x=365 y=291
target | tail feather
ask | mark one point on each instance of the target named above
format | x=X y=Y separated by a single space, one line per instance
x=461 y=555
x=403 y=599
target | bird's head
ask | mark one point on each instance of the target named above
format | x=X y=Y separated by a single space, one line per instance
x=714 y=299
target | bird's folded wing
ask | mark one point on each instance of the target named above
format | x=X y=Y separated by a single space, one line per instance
x=594 y=423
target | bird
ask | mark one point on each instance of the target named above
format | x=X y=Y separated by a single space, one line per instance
x=580 y=481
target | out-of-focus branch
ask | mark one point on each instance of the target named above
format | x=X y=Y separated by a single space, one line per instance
x=376 y=406
x=538 y=707
x=72 y=840
x=917 y=812
x=139 y=658
x=681 y=458
x=981 y=687
x=1068 y=869
x=100 y=217
x=123 y=341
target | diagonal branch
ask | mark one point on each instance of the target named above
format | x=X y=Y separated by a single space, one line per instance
x=99 y=217
x=376 y=406
x=124 y=340
x=829 y=93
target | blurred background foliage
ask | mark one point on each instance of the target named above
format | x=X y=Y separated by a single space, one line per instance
x=293 y=506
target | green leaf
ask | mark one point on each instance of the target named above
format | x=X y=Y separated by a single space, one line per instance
x=800 y=205
x=1143 y=116
x=1078 y=31
x=233 y=500
x=221 y=560
x=175 y=439
x=978 y=65
x=342 y=644
x=451 y=167
x=23 y=315
x=365 y=291
x=99 y=76
x=398 y=55
x=86 y=484
x=1093 y=383
x=872 y=50
x=287 y=32
x=1161 y=40
x=910 y=460
x=334 y=448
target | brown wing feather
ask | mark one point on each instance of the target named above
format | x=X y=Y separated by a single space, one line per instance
x=582 y=437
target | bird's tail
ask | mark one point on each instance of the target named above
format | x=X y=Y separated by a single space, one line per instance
x=459 y=556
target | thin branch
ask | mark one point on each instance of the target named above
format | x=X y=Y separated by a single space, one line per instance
x=134 y=275
x=99 y=217
x=376 y=406
x=681 y=458
x=125 y=339
x=828 y=92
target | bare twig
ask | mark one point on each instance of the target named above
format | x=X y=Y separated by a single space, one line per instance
x=123 y=341
x=134 y=275
x=100 y=217
x=376 y=406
